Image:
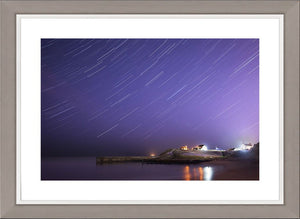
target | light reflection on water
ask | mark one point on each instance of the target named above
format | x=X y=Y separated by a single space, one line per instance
x=208 y=173
x=186 y=172
x=86 y=169
x=200 y=173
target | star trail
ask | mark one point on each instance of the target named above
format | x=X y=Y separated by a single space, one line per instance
x=141 y=96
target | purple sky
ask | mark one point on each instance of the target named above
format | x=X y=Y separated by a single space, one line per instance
x=141 y=96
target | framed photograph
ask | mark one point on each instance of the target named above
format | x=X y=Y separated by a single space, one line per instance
x=178 y=110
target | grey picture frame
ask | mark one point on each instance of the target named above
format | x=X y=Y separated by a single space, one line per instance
x=9 y=9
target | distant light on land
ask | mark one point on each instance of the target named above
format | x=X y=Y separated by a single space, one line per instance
x=152 y=155
x=184 y=148
x=244 y=147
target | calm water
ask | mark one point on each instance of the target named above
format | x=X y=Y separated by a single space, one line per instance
x=86 y=169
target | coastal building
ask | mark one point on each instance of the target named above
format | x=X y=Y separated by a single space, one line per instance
x=200 y=147
x=184 y=148
x=248 y=146
x=204 y=148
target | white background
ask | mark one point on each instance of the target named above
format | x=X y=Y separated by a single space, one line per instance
x=30 y=30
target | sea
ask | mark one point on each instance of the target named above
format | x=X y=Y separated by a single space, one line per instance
x=85 y=168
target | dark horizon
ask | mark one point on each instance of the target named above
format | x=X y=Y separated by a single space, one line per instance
x=141 y=96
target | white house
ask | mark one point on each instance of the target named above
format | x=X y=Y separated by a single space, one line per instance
x=248 y=146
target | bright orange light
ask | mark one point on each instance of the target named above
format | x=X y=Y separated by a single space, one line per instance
x=201 y=173
x=187 y=175
x=184 y=148
x=152 y=155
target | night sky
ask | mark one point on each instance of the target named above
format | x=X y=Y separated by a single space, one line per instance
x=141 y=96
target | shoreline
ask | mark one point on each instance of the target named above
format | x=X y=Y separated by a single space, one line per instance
x=176 y=156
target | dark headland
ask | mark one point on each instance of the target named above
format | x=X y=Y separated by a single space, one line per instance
x=178 y=156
